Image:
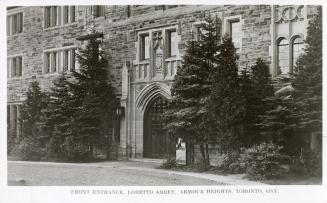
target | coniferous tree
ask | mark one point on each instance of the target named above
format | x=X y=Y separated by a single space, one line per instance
x=94 y=98
x=32 y=109
x=256 y=86
x=297 y=114
x=307 y=82
x=58 y=119
x=33 y=141
x=186 y=115
x=226 y=104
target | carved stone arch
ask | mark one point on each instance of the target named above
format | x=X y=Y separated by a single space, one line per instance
x=292 y=44
x=150 y=93
x=296 y=35
x=280 y=38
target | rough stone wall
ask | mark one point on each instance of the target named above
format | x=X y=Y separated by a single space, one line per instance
x=256 y=32
x=120 y=35
x=31 y=43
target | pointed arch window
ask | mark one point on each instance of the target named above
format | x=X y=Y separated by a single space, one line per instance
x=283 y=57
x=297 y=50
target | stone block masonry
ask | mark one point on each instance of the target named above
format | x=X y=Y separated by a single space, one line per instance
x=120 y=35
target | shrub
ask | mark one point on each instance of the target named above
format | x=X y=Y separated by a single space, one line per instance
x=231 y=162
x=263 y=161
x=76 y=152
x=168 y=164
x=29 y=149
x=54 y=150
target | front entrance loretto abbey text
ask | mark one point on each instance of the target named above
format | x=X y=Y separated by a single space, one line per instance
x=144 y=45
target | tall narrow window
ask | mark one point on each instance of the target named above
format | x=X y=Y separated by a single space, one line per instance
x=19 y=22
x=54 y=62
x=47 y=16
x=98 y=11
x=172 y=43
x=235 y=33
x=8 y=117
x=13 y=121
x=15 y=66
x=18 y=66
x=68 y=14
x=65 y=60
x=298 y=49
x=54 y=17
x=145 y=47
x=72 y=14
x=47 y=62
x=283 y=57
x=15 y=24
x=8 y=25
x=72 y=59
x=65 y=14
x=51 y=16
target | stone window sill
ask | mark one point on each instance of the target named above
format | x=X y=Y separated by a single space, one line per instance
x=99 y=18
x=15 y=78
x=144 y=61
x=15 y=35
x=59 y=26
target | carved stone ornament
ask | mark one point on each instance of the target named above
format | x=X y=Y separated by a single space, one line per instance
x=289 y=13
x=158 y=52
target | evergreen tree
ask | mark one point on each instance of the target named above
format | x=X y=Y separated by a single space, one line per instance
x=307 y=82
x=297 y=110
x=226 y=104
x=256 y=86
x=58 y=119
x=34 y=139
x=31 y=110
x=94 y=98
x=186 y=115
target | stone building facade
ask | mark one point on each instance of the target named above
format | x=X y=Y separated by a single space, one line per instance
x=144 y=45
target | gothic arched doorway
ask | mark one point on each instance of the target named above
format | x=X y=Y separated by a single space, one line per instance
x=156 y=144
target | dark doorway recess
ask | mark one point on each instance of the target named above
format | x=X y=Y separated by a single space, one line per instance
x=157 y=144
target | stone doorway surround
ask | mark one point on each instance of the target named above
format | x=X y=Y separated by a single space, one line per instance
x=134 y=101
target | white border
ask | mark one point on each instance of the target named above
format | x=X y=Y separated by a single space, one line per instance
x=299 y=194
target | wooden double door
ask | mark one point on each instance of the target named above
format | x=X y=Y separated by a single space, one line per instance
x=157 y=144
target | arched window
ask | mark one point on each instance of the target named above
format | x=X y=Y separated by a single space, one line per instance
x=297 y=49
x=283 y=57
